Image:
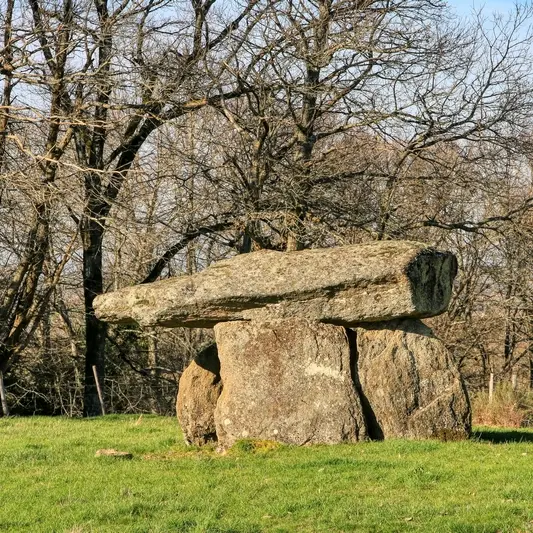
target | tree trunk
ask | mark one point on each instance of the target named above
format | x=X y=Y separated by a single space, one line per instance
x=6 y=69
x=531 y=369
x=17 y=308
x=95 y=330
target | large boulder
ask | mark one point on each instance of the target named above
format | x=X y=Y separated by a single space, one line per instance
x=198 y=393
x=343 y=286
x=411 y=387
x=287 y=380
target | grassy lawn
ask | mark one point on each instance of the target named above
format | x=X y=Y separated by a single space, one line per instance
x=50 y=481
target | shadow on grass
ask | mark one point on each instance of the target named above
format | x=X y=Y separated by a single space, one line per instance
x=502 y=436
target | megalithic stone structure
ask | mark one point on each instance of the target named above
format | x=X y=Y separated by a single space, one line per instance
x=314 y=346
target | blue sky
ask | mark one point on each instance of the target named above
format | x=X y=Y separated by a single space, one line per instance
x=464 y=7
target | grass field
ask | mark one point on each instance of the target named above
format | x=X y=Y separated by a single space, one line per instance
x=50 y=481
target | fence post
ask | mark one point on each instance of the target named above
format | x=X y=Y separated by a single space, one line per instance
x=102 y=408
x=3 y=396
x=491 y=386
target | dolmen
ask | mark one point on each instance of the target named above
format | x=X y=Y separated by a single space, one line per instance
x=316 y=346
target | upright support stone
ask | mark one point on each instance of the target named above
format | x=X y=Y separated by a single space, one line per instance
x=287 y=380
x=198 y=393
x=411 y=387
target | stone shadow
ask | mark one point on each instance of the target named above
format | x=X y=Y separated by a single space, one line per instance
x=372 y=425
x=497 y=436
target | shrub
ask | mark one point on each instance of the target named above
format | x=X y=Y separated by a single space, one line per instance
x=508 y=408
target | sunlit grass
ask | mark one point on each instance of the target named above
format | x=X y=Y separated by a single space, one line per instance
x=52 y=482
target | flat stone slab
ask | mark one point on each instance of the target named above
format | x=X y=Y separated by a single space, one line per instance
x=344 y=286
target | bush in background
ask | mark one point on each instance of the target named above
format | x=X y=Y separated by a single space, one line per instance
x=508 y=407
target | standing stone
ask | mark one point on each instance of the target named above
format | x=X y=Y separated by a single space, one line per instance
x=198 y=392
x=411 y=387
x=287 y=380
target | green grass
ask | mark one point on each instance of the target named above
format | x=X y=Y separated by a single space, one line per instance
x=50 y=481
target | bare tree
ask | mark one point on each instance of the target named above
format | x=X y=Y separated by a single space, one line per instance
x=21 y=307
x=162 y=96
x=150 y=139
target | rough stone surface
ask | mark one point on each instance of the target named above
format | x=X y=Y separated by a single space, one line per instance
x=286 y=380
x=198 y=392
x=110 y=452
x=411 y=387
x=343 y=286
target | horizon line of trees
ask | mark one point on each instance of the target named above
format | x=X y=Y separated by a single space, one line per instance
x=141 y=139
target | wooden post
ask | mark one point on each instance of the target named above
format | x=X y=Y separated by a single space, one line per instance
x=3 y=397
x=99 y=390
x=513 y=380
x=491 y=386
x=153 y=363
